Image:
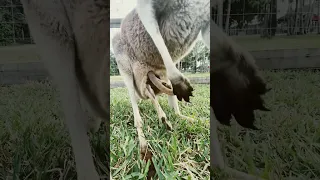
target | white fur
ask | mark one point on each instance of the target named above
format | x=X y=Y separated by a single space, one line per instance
x=147 y=17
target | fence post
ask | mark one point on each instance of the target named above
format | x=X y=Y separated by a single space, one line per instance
x=12 y=19
x=318 y=16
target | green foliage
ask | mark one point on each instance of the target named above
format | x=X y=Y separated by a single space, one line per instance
x=113 y=65
x=13 y=27
x=5 y=27
x=197 y=60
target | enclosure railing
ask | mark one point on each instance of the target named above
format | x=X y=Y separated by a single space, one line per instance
x=264 y=18
x=268 y=18
x=115 y=22
x=237 y=17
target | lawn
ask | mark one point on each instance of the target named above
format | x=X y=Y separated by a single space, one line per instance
x=180 y=154
x=34 y=143
x=119 y=78
x=253 y=43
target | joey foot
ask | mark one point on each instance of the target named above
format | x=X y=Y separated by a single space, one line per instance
x=182 y=88
x=166 y=123
x=147 y=156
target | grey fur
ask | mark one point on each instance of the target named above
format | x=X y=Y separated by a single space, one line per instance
x=180 y=23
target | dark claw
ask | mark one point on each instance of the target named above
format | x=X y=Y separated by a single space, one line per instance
x=182 y=89
x=263 y=108
x=255 y=128
x=226 y=123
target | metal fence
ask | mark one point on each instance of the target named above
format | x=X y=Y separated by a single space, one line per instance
x=268 y=18
x=14 y=31
x=13 y=27
x=264 y=18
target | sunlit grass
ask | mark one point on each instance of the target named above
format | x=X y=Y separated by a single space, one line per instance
x=179 y=154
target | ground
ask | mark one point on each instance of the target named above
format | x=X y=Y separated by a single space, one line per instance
x=34 y=143
x=255 y=43
x=179 y=154
x=119 y=78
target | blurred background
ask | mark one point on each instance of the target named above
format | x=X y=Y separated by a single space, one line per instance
x=255 y=24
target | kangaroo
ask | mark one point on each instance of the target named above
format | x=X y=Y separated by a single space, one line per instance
x=72 y=38
x=158 y=34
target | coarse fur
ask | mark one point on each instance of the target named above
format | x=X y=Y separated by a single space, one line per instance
x=137 y=55
x=236 y=89
x=73 y=41
x=136 y=43
x=237 y=85
x=158 y=34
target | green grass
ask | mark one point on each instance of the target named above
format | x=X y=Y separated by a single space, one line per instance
x=34 y=143
x=119 y=78
x=180 y=154
x=197 y=74
x=253 y=43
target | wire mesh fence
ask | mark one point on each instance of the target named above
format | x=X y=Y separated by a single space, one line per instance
x=268 y=18
x=13 y=27
x=264 y=18
x=14 y=31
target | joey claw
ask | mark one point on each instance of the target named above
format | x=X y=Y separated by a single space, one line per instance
x=263 y=108
x=182 y=88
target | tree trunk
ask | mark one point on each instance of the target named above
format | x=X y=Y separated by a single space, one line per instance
x=274 y=23
x=308 y=19
x=228 y=17
x=289 y=21
x=301 y=16
x=318 y=23
x=220 y=13
x=265 y=32
x=296 y=17
x=195 y=65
